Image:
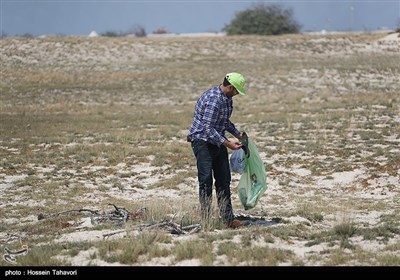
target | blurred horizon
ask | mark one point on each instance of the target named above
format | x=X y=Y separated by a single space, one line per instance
x=71 y=17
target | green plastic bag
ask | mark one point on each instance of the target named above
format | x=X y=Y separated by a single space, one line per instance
x=253 y=182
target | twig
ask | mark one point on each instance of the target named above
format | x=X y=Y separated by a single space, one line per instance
x=172 y=227
x=42 y=216
x=106 y=235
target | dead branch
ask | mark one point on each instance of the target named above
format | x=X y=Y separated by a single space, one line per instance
x=106 y=235
x=42 y=216
x=120 y=215
x=171 y=227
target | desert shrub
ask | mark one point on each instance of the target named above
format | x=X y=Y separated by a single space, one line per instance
x=263 y=19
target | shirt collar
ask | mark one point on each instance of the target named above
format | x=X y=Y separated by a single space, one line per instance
x=223 y=94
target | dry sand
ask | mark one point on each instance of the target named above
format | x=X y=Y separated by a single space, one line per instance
x=338 y=186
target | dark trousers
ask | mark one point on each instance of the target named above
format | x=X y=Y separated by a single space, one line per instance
x=213 y=161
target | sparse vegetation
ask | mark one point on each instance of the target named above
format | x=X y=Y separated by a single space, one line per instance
x=85 y=123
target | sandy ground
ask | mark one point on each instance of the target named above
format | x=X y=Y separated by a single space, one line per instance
x=341 y=186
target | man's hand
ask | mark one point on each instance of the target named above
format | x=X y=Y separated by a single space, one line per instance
x=232 y=145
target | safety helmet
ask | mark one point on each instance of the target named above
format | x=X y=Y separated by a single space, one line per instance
x=236 y=80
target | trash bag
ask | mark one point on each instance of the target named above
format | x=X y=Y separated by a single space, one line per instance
x=237 y=161
x=253 y=182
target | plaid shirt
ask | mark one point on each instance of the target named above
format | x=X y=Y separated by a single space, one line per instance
x=211 y=117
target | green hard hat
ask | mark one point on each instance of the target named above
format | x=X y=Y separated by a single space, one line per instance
x=236 y=80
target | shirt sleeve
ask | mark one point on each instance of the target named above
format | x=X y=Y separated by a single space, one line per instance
x=210 y=118
x=232 y=129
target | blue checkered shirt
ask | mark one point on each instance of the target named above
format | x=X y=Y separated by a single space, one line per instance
x=211 y=117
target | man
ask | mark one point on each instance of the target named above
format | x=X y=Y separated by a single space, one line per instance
x=207 y=136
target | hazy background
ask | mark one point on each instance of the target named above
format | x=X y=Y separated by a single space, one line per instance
x=72 y=17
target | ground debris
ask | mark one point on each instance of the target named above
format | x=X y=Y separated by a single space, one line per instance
x=42 y=216
x=6 y=237
x=10 y=255
x=251 y=220
x=171 y=227
x=118 y=216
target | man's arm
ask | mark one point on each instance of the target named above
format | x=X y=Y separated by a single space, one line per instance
x=233 y=145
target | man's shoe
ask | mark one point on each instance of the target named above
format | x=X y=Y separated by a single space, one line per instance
x=235 y=224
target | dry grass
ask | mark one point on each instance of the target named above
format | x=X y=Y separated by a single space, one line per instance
x=91 y=121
